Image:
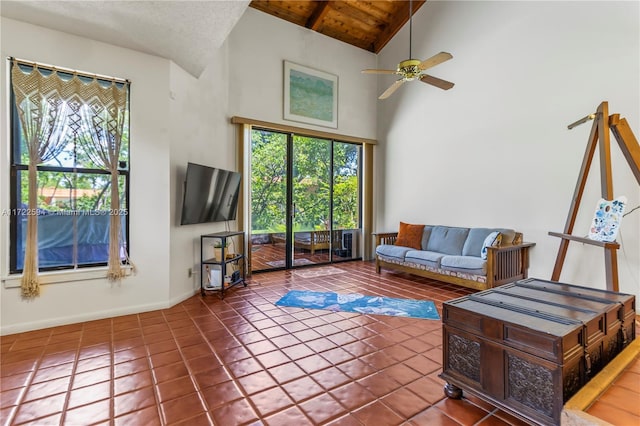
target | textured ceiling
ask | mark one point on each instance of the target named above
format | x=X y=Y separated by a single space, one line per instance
x=185 y=32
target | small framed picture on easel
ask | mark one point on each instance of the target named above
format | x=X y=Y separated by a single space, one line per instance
x=607 y=219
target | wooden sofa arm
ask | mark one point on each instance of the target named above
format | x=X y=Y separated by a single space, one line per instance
x=386 y=238
x=510 y=247
x=507 y=263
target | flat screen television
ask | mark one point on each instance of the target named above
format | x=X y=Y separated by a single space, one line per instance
x=210 y=195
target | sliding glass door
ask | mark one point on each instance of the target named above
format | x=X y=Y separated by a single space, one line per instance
x=268 y=200
x=306 y=198
x=347 y=201
x=311 y=197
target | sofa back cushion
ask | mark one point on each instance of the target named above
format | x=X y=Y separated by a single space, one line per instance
x=425 y=236
x=475 y=239
x=447 y=239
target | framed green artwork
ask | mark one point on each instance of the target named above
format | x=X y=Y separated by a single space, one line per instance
x=310 y=96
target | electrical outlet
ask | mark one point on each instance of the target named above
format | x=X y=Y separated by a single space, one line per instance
x=190 y=272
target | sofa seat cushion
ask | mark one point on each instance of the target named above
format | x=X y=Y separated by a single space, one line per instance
x=448 y=240
x=469 y=264
x=392 y=251
x=421 y=257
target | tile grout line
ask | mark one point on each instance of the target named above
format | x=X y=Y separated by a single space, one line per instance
x=36 y=366
x=72 y=379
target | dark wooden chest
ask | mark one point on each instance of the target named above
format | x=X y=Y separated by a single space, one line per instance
x=619 y=319
x=529 y=346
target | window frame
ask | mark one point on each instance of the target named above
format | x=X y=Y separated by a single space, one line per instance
x=15 y=165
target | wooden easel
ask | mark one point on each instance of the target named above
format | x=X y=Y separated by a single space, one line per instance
x=631 y=151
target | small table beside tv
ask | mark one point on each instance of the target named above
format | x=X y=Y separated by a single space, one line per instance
x=217 y=261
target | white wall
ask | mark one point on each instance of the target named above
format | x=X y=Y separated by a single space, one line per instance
x=258 y=46
x=200 y=133
x=175 y=118
x=245 y=78
x=73 y=301
x=495 y=149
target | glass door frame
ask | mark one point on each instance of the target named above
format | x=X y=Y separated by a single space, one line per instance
x=309 y=237
x=243 y=136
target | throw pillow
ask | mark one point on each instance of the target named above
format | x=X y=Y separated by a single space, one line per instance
x=410 y=235
x=493 y=240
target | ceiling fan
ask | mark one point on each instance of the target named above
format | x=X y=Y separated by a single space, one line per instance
x=412 y=69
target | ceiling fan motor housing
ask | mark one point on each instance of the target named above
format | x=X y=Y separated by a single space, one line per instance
x=410 y=69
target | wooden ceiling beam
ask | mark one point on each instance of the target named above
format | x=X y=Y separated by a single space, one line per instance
x=371 y=8
x=315 y=20
x=274 y=9
x=360 y=16
x=293 y=11
x=368 y=24
x=399 y=19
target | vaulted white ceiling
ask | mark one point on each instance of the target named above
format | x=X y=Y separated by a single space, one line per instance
x=186 y=32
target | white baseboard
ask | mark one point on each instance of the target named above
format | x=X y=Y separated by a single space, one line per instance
x=72 y=319
x=184 y=296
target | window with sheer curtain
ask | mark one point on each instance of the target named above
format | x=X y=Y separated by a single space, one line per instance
x=69 y=172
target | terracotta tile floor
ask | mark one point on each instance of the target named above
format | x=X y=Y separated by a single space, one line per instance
x=620 y=403
x=243 y=360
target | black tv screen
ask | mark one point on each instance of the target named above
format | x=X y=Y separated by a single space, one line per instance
x=210 y=195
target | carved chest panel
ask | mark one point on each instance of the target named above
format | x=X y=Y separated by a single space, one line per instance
x=529 y=346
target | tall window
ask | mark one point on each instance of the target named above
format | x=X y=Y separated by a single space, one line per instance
x=69 y=170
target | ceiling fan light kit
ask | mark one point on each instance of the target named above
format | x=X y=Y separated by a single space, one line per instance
x=412 y=69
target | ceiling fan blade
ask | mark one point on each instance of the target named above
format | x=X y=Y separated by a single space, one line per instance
x=435 y=60
x=391 y=89
x=438 y=82
x=379 y=71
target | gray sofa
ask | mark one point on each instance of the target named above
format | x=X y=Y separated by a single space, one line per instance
x=454 y=255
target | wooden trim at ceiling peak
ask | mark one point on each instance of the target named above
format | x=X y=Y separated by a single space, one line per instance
x=302 y=131
x=319 y=12
x=401 y=17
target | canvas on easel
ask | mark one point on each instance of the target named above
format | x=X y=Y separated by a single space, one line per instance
x=607 y=225
x=607 y=219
